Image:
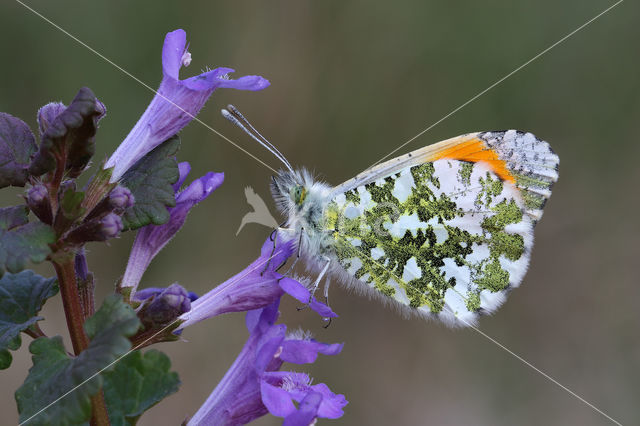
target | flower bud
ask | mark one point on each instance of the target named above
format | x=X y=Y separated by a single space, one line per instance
x=48 y=113
x=121 y=198
x=101 y=109
x=117 y=201
x=111 y=225
x=163 y=305
x=107 y=227
x=38 y=202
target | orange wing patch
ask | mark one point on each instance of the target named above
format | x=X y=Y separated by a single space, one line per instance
x=475 y=150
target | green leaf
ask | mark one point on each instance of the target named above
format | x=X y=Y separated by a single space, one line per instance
x=138 y=382
x=73 y=132
x=70 y=382
x=21 y=298
x=150 y=180
x=17 y=145
x=70 y=209
x=21 y=241
x=71 y=203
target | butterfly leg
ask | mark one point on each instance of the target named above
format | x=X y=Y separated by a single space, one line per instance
x=297 y=257
x=273 y=237
x=326 y=301
x=326 y=292
x=316 y=284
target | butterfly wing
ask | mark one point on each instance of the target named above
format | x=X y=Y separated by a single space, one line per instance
x=516 y=157
x=446 y=230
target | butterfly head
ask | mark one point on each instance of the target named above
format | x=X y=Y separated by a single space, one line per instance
x=289 y=191
x=300 y=197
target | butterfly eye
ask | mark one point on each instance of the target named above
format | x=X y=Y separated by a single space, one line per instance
x=298 y=194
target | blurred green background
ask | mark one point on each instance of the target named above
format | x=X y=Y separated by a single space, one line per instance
x=350 y=81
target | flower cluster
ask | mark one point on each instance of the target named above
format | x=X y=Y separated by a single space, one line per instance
x=141 y=188
x=254 y=385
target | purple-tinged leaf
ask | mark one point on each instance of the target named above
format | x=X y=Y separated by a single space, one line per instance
x=11 y=217
x=71 y=133
x=21 y=241
x=17 y=146
x=22 y=296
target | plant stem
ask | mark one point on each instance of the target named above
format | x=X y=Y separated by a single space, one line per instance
x=86 y=285
x=71 y=302
x=75 y=320
x=99 y=414
x=34 y=331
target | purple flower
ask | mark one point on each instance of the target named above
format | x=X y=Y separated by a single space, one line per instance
x=257 y=286
x=152 y=238
x=176 y=103
x=254 y=386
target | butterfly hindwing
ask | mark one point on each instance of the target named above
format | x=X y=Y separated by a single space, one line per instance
x=449 y=231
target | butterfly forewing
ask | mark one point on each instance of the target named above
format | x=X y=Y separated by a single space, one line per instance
x=445 y=231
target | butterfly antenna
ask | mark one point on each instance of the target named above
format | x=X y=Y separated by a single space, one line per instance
x=233 y=115
x=246 y=122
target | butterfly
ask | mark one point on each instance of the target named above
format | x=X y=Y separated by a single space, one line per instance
x=444 y=232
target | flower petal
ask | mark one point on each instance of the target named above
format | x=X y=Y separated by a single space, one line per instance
x=184 y=169
x=306 y=351
x=198 y=190
x=332 y=404
x=306 y=412
x=276 y=253
x=277 y=400
x=172 y=51
x=268 y=346
x=301 y=293
x=219 y=79
x=263 y=317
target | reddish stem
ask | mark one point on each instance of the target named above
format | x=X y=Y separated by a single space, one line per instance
x=71 y=302
x=75 y=320
x=99 y=414
x=34 y=331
